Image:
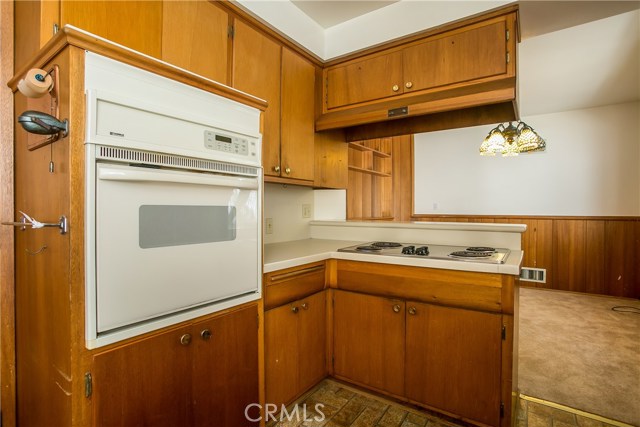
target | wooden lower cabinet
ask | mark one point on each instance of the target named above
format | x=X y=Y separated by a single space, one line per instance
x=295 y=340
x=444 y=358
x=453 y=360
x=181 y=377
x=368 y=341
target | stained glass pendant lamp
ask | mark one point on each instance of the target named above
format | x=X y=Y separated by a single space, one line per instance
x=511 y=139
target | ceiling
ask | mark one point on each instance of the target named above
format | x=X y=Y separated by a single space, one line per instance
x=333 y=12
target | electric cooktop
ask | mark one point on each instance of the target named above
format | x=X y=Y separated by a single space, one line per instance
x=484 y=254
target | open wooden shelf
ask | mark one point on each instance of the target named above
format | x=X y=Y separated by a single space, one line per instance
x=369 y=171
x=360 y=147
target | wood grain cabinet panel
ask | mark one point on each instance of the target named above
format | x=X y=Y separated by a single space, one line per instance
x=195 y=37
x=295 y=340
x=453 y=361
x=225 y=369
x=135 y=24
x=297 y=127
x=372 y=78
x=468 y=55
x=256 y=70
x=165 y=380
x=143 y=383
x=368 y=341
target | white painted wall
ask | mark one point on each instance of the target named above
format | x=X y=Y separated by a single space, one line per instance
x=591 y=167
x=283 y=203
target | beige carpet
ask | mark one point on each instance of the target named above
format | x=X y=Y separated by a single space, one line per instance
x=576 y=351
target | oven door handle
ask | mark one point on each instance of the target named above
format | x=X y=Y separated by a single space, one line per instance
x=132 y=174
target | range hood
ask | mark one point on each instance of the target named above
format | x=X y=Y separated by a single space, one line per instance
x=464 y=106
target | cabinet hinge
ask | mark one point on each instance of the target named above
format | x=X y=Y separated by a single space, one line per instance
x=508 y=35
x=56 y=28
x=504 y=332
x=231 y=31
x=88 y=385
x=501 y=409
x=508 y=57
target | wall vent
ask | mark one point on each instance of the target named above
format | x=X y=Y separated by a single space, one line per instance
x=530 y=274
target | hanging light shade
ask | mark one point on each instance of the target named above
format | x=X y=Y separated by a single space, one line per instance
x=511 y=139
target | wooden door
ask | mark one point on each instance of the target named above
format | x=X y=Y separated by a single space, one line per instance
x=453 y=359
x=365 y=80
x=146 y=382
x=281 y=353
x=225 y=369
x=298 y=117
x=465 y=55
x=312 y=341
x=256 y=70
x=368 y=339
x=134 y=24
x=195 y=37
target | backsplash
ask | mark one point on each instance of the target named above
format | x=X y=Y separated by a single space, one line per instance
x=283 y=204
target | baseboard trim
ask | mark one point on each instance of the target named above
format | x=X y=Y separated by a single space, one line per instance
x=574 y=411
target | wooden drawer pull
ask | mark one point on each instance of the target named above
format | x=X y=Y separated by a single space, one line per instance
x=297 y=273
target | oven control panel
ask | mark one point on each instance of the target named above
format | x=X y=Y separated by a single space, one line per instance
x=230 y=144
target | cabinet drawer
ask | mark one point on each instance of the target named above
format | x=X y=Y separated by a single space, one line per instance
x=283 y=286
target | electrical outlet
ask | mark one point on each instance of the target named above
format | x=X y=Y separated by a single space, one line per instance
x=268 y=226
x=306 y=210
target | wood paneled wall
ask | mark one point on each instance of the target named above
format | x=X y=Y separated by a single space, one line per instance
x=599 y=255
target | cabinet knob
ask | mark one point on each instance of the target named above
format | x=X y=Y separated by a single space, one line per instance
x=305 y=306
x=396 y=308
x=408 y=85
x=276 y=169
x=412 y=311
x=205 y=334
x=294 y=309
x=185 y=339
x=287 y=171
x=395 y=88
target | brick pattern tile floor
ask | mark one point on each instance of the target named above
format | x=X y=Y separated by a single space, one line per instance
x=344 y=406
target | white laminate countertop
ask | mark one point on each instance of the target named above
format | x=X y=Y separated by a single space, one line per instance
x=278 y=256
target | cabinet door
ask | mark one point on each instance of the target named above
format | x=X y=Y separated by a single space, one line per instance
x=225 y=369
x=147 y=382
x=195 y=37
x=374 y=78
x=298 y=89
x=312 y=341
x=453 y=361
x=281 y=353
x=135 y=24
x=369 y=340
x=467 y=55
x=256 y=70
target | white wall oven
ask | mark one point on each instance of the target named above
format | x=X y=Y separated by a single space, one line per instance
x=173 y=202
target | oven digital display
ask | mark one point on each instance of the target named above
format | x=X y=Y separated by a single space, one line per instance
x=226 y=143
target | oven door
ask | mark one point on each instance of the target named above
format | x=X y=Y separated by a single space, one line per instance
x=169 y=241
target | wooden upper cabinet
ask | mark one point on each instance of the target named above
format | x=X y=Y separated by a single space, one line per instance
x=134 y=24
x=467 y=55
x=256 y=70
x=365 y=80
x=195 y=37
x=298 y=90
x=472 y=53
